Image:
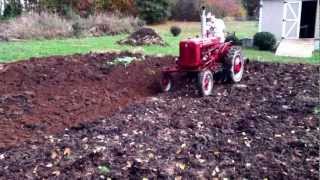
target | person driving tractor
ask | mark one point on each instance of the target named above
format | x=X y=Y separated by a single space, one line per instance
x=215 y=27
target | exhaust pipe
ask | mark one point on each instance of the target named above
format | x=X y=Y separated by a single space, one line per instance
x=203 y=23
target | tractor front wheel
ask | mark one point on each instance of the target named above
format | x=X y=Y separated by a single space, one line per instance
x=166 y=82
x=205 y=82
x=234 y=65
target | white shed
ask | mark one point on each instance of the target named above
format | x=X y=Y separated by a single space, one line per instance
x=292 y=22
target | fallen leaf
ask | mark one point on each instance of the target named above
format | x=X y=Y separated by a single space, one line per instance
x=277 y=135
x=198 y=156
x=2 y=156
x=67 y=152
x=139 y=160
x=216 y=153
x=129 y=164
x=248 y=165
x=103 y=170
x=56 y=173
x=181 y=166
x=151 y=156
x=54 y=155
x=35 y=170
x=179 y=151
x=217 y=169
x=247 y=143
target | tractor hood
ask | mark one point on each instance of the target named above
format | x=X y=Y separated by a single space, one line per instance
x=200 y=41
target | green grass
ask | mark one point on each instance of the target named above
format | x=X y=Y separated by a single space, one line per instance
x=14 y=51
x=267 y=56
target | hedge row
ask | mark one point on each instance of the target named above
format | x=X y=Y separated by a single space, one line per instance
x=152 y=11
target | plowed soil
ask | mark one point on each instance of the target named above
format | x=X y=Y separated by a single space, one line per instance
x=46 y=96
x=120 y=126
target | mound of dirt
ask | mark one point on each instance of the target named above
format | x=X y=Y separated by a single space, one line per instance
x=144 y=36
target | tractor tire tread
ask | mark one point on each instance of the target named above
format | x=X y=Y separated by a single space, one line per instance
x=201 y=76
x=228 y=61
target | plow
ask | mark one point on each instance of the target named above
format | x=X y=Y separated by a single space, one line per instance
x=205 y=56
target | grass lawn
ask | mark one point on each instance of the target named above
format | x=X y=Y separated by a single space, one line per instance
x=13 y=51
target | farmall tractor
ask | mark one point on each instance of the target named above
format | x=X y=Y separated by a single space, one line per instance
x=205 y=56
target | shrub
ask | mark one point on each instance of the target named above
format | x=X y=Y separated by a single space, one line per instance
x=225 y=8
x=153 y=11
x=264 y=40
x=242 y=13
x=12 y=9
x=3 y=27
x=234 y=39
x=77 y=29
x=175 y=30
x=47 y=26
x=85 y=8
x=251 y=6
x=54 y=6
x=124 y=6
x=37 y=26
x=110 y=24
x=186 y=10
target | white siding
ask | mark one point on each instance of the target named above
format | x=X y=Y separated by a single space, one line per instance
x=317 y=33
x=272 y=16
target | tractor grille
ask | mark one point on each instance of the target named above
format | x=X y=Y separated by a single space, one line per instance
x=189 y=54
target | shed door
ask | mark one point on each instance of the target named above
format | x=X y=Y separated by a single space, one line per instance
x=291 y=19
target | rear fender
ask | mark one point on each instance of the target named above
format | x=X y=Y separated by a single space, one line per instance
x=223 y=50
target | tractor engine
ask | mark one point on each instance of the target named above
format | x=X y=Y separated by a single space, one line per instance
x=196 y=52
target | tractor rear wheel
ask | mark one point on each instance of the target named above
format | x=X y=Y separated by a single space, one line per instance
x=166 y=82
x=233 y=65
x=205 y=82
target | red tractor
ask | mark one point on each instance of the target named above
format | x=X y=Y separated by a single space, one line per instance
x=206 y=56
